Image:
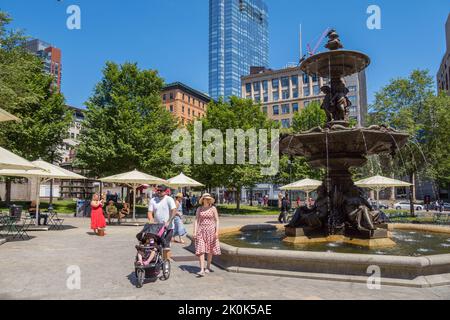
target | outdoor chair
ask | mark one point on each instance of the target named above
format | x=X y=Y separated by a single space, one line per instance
x=54 y=221
x=17 y=226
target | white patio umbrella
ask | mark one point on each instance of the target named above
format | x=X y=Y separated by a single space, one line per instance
x=44 y=173
x=6 y=116
x=9 y=160
x=134 y=179
x=182 y=181
x=377 y=183
x=305 y=185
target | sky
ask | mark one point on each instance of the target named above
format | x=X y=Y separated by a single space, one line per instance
x=171 y=36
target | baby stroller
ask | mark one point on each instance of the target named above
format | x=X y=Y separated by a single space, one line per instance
x=151 y=239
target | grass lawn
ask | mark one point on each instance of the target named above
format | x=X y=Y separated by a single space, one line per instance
x=247 y=210
x=60 y=206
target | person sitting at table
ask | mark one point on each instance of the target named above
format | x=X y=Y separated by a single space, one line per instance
x=111 y=211
x=32 y=212
x=125 y=211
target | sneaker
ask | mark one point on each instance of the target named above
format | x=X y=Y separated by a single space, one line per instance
x=209 y=270
x=201 y=273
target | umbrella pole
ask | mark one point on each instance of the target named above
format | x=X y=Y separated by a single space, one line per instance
x=307 y=199
x=38 y=186
x=134 y=202
x=378 y=199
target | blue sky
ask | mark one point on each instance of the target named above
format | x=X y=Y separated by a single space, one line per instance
x=172 y=36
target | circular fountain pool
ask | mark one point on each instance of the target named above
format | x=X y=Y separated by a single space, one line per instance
x=409 y=243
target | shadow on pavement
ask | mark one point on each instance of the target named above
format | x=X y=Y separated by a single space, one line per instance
x=29 y=238
x=190 y=269
x=133 y=280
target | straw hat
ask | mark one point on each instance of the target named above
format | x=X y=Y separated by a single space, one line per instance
x=179 y=195
x=208 y=197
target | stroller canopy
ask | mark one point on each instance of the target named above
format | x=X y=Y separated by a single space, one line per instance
x=155 y=230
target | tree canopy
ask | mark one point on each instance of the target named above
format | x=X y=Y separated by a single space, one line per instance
x=309 y=117
x=236 y=114
x=126 y=126
x=28 y=92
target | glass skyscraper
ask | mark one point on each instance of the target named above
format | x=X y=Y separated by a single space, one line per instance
x=238 y=39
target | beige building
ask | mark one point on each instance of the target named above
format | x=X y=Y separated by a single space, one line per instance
x=186 y=103
x=443 y=75
x=284 y=92
x=71 y=142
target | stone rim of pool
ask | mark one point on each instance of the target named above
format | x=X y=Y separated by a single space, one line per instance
x=423 y=271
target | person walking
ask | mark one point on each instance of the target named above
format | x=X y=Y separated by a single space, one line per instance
x=98 y=222
x=284 y=210
x=206 y=233
x=179 y=229
x=161 y=210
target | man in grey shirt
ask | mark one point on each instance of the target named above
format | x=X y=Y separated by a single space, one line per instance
x=161 y=210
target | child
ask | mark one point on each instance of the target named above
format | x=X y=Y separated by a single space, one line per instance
x=146 y=251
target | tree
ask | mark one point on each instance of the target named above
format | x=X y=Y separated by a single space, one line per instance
x=27 y=92
x=401 y=105
x=126 y=126
x=310 y=117
x=235 y=114
x=436 y=138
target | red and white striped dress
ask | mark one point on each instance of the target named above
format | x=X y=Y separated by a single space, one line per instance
x=206 y=241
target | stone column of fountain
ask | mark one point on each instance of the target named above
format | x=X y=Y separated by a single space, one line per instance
x=341 y=211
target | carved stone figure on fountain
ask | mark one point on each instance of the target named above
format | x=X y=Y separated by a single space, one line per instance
x=359 y=211
x=340 y=101
x=334 y=43
x=327 y=104
x=315 y=217
x=335 y=103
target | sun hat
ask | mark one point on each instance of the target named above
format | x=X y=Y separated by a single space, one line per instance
x=179 y=195
x=206 y=196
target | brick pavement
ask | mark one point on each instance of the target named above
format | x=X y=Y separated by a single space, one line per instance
x=37 y=269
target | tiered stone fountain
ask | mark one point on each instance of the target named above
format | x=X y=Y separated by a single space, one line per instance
x=341 y=212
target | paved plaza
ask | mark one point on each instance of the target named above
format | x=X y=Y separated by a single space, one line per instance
x=37 y=269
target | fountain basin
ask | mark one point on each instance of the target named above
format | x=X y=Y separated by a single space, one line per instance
x=339 y=63
x=420 y=271
x=345 y=147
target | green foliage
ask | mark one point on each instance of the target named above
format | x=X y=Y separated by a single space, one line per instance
x=401 y=105
x=27 y=92
x=310 y=117
x=436 y=138
x=298 y=169
x=126 y=126
x=235 y=114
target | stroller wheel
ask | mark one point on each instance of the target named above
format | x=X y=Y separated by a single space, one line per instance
x=165 y=270
x=140 y=274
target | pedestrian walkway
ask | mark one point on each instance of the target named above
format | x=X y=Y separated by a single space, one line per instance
x=37 y=269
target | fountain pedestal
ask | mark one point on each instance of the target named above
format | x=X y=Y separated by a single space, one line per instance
x=379 y=238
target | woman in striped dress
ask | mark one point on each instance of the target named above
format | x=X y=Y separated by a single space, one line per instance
x=206 y=233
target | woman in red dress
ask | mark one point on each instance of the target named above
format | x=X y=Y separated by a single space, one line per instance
x=97 y=218
x=206 y=233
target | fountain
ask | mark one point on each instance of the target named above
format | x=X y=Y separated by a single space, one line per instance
x=341 y=212
x=341 y=238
